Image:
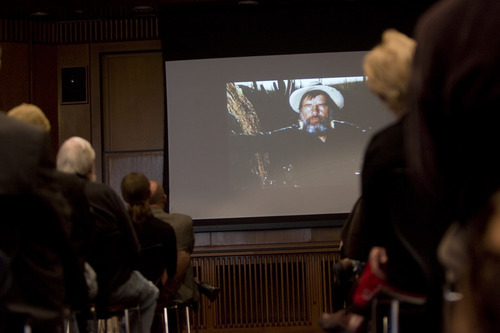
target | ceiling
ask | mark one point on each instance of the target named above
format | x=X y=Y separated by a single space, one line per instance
x=69 y=9
x=84 y=9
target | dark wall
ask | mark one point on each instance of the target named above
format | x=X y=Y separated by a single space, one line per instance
x=44 y=92
x=29 y=75
x=197 y=31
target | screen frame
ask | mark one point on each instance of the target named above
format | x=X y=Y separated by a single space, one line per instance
x=271 y=222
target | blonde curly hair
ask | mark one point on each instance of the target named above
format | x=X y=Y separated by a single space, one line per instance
x=388 y=68
x=30 y=113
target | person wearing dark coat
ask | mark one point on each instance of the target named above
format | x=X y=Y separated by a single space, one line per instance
x=150 y=231
x=34 y=230
x=453 y=144
x=115 y=249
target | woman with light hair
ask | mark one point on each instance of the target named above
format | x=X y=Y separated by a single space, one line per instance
x=30 y=113
x=388 y=68
x=403 y=234
x=399 y=235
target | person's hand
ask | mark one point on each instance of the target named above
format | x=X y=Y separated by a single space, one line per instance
x=378 y=261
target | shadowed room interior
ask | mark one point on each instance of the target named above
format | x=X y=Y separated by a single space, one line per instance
x=97 y=69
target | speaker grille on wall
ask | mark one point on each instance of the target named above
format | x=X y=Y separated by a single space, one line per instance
x=74 y=84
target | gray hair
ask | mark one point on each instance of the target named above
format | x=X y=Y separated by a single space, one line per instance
x=77 y=156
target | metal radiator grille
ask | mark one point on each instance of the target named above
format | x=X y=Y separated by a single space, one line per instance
x=266 y=290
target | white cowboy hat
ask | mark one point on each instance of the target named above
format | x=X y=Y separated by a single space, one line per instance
x=334 y=94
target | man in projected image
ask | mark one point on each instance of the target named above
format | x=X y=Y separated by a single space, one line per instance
x=316 y=150
x=316 y=104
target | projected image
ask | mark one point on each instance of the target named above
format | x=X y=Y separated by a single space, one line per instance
x=297 y=133
x=268 y=136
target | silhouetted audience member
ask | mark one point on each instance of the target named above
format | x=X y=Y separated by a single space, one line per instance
x=404 y=230
x=81 y=284
x=471 y=254
x=455 y=92
x=33 y=231
x=159 y=259
x=114 y=251
x=353 y=245
x=150 y=231
x=347 y=270
x=182 y=288
x=400 y=232
x=455 y=98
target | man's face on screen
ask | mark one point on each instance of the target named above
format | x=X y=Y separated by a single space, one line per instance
x=314 y=113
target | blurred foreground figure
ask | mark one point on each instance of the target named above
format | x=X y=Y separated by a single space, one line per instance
x=403 y=230
x=81 y=284
x=471 y=254
x=454 y=101
x=396 y=233
x=33 y=230
x=453 y=140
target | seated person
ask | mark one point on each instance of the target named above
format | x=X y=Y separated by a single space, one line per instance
x=82 y=286
x=114 y=251
x=181 y=287
x=150 y=231
x=37 y=265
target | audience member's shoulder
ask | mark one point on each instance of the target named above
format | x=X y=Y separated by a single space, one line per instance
x=104 y=191
x=69 y=183
x=69 y=178
x=163 y=215
x=181 y=216
x=162 y=225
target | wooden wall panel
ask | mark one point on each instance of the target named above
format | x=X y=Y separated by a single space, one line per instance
x=44 y=86
x=15 y=82
x=74 y=119
x=133 y=101
x=97 y=102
